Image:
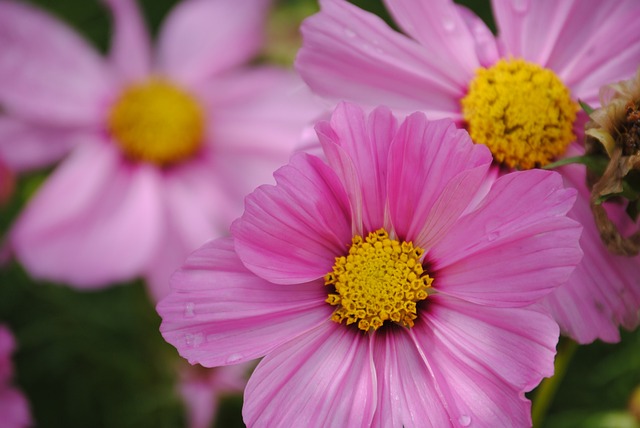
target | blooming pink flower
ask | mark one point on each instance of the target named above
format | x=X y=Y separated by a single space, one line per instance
x=549 y=53
x=166 y=142
x=14 y=409
x=390 y=287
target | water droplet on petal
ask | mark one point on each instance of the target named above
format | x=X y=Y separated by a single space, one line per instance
x=520 y=5
x=233 y=358
x=492 y=236
x=448 y=24
x=349 y=32
x=464 y=420
x=194 y=340
x=189 y=310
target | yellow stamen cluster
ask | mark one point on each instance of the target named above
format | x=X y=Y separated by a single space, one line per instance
x=521 y=111
x=380 y=279
x=157 y=122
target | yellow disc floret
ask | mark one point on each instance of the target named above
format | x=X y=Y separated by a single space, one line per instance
x=380 y=279
x=521 y=111
x=157 y=122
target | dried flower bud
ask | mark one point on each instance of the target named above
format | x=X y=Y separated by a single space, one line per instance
x=615 y=127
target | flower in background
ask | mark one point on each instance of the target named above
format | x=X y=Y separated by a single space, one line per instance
x=393 y=286
x=14 y=409
x=167 y=141
x=515 y=93
x=203 y=388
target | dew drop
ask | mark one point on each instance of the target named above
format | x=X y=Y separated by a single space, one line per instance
x=520 y=5
x=233 y=358
x=448 y=24
x=189 y=310
x=349 y=32
x=194 y=340
x=464 y=420
x=492 y=236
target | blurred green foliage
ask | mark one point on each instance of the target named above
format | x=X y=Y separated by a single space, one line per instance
x=96 y=359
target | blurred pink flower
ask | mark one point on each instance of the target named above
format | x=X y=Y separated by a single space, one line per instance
x=167 y=141
x=14 y=409
x=202 y=389
x=585 y=44
x=439 y=303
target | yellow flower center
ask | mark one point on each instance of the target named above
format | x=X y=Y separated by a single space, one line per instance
x=521 y=111
x=157 y=122
x=380 y=279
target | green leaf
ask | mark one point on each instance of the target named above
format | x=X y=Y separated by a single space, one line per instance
x=586 y=107
x=594 y=163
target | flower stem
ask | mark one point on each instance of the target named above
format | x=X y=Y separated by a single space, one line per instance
x=546 y=392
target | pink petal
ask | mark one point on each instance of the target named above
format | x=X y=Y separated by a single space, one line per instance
x=322 y=378
x=130 y=51
x=486 y=45
x=256 y=118
x=292 y=232
x=204 y=37
x=532 y=29
x=14 y=409
x=588 y=43
x=483 y=359
x=407 y=394
x=603 y=292
x=505 y=253
x=434 y=172
x=442 y=30
x=105 y=233
x=349 y=54
x=219 y=313
x=196 y=209
x=357 y=149
x=47 y=72
x=25 y=146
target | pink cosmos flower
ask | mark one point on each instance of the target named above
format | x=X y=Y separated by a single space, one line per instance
x=392 y=286
x=515 y=93
x=14 y=409
x=167 y=141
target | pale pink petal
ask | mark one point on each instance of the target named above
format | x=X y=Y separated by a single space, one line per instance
x=357 y=149
x=25 y=146
x=589 y=43
x=603 y=292
x=14 y=409
x=130 y=50
x=292 y=232
x=484 y=362
x=486 y=45
x=496 y=254
x=322 y=378
x=47 y=72
x=204 y=37
x=408 y=395
x=350 y=54
x=441 y=29
x=260 y=112
x=434 y=172
x=95 y=221
x=196 y=208
x=256 y=119
x=219 y=313
x=531 y=29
